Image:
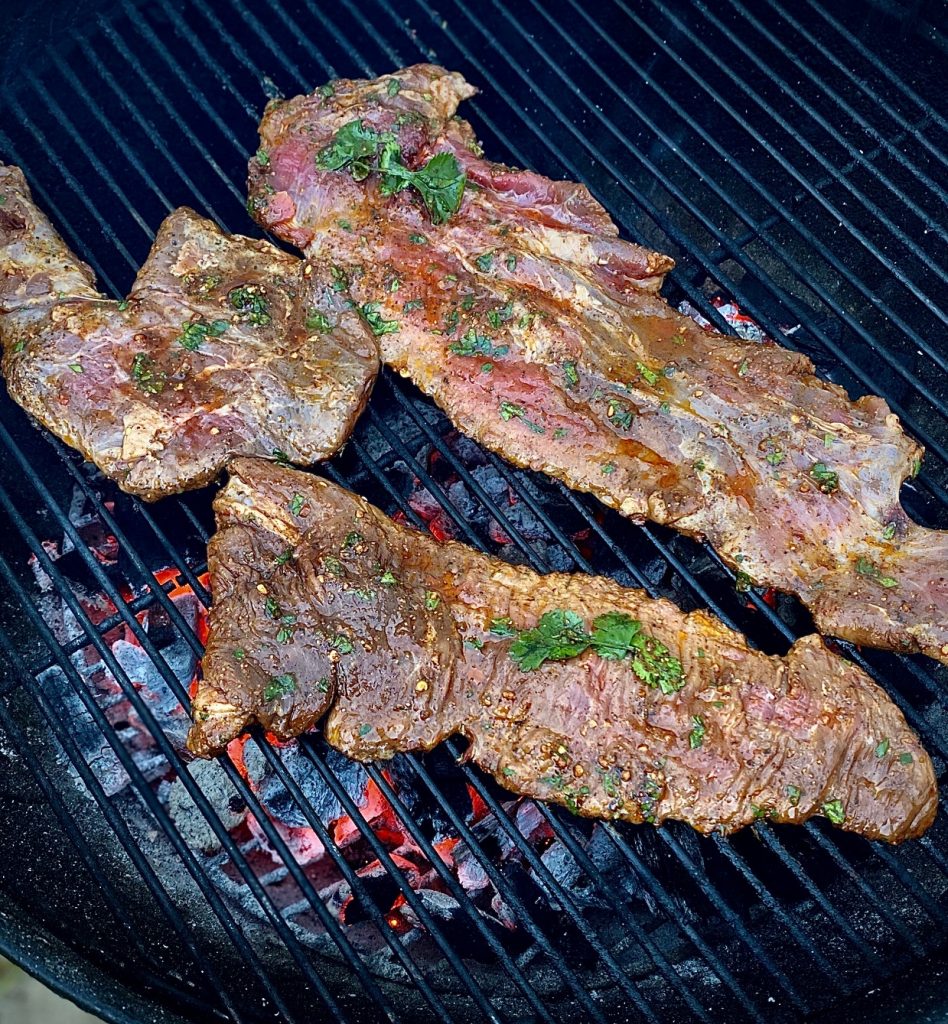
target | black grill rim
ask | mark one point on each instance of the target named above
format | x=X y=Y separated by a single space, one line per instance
x=397 y=395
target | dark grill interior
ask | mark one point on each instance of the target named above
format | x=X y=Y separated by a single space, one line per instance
x=792 y=158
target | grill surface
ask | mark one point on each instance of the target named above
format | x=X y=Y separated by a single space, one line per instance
x=792 y=159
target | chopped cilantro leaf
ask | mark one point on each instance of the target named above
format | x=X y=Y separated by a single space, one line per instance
x=379 y=326
x=834 y=810
x=509 y=411
x=147 y=375
x=558 y=635
x=485 y=261
x=502 y=627
x=696 y=736
x=570 y=374
x=648 y=375
x=316 y=321
x=827 y=480
x=296 y=505
x=793 y=794
x=906 y=758
x=882 y=747
x=279 y=686
x=393 y=88
x=865 y=568
x=432 y=600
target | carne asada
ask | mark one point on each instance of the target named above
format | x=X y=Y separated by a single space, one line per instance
x=569 y=688
x=511 y=301
x=224 y=345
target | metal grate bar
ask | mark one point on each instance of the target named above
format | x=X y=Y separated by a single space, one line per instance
x=159 y=97
x=774 y=906
x=731 y=247
x=457 y=890
x=171 y=755
x=563 y=833
x=878 y=99
x=814 y=152
x=142 y=788
x=70 y=826
x=880 y=67
x=366 y=901
x=733 y=287
x=838 y=918
x=272 y=836
x=850 y=112
x=759 y=229
x=411 y=897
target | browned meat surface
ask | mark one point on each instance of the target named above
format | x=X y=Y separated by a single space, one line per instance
x=225 y=345
x=325 y=607
x=542 y=335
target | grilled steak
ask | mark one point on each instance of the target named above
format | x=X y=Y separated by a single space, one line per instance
x=569 y=688
x=542 y=335
x=224 y=345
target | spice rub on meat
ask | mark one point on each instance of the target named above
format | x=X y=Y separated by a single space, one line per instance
x=569 y=688
x=511 y=301
x=225 y=345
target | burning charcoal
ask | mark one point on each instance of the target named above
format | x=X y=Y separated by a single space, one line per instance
x=558 y=559
x=281 y=806
x=494 y=485
x=460 y=497
x=524 y=519
x=470 y=873
x=563 y=867
x=189 y=821
x=303 y=843
x=380 y=886
x=466 y=450
x=157 y=694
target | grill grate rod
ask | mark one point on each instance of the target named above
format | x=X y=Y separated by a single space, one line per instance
x=732 y=287
x=814 y=152
x=444 y=502
x=879 y=101
x=146 y=716
x=849 y=113
x=71 y=828
x=142 y=788
x=185 y=631
x=881 y=67
x=731 y=247
x=332 y=927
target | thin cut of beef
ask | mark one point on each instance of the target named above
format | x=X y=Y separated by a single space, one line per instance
x=569 y=688
x=542 y=335
x=225 y=345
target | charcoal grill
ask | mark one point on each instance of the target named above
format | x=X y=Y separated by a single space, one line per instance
x=792 y=158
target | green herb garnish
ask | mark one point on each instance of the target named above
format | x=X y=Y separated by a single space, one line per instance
x=502 y=627
x=648 y=375
x=794 y=793
x=865 y=568
x=147 y=375
x=472 y=344
x=834 y=810
x=379 y=326
x=509 y=411
x=388 y=579
x=882 y=747
x=279 y=686
x=341 y=643
x=296 y=505
x=570 y=374
x=827 y=480
x=352 y=540
x=250 y=301
x=393 y=88
x=696 y=736
x=194 y=333
x=316 y=321
x=485 y=261
x=432 y=600
x=619 y=415
x=906 y=758
x=615 y=636
x=262 y=157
